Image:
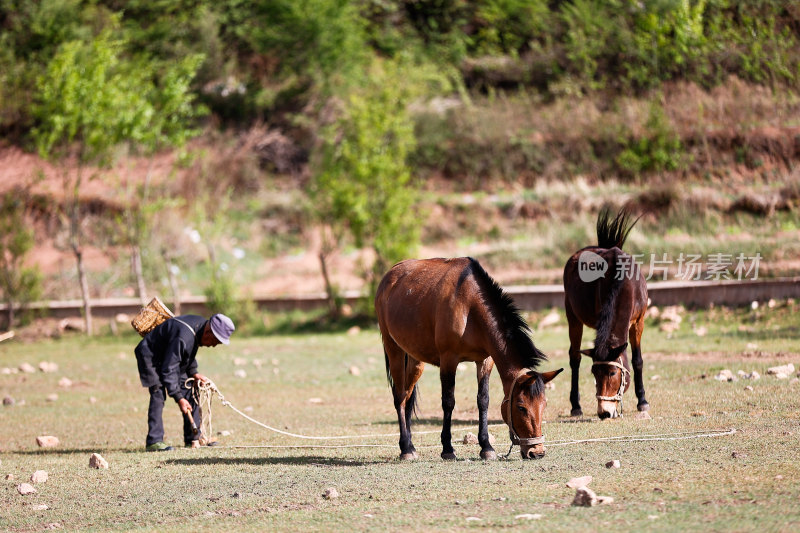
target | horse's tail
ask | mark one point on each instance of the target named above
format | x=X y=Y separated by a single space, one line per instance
x=412 y=403
x=388 y=372
x=611 y=233
x=607 y=312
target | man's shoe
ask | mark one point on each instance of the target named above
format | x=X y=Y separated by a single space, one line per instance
x=158 y=447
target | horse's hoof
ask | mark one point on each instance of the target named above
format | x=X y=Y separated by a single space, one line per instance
x=449 y=456
x=576 y=412
x=408 y=456
x=488 y=455
x=644 y=406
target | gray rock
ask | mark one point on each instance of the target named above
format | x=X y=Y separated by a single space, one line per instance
x=8 y=400
x=613 y=464
x=330 y=493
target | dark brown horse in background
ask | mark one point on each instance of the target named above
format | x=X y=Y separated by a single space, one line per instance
x=605 y=290
x=442 y=312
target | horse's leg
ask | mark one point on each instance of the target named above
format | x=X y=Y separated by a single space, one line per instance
x=635 y=337
x=447 y=375
x=413 y=372
x=401 y=393
x=484 y=370
x=575 y=336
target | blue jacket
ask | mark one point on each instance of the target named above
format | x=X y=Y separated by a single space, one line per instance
x=167 y=355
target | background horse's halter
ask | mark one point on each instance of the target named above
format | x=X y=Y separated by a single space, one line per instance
x=626 y=377
x=515 y=439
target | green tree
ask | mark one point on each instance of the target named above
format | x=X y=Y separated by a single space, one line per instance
x=88 y=101
x=169 y=125
x=19 y=284
x=362 y=184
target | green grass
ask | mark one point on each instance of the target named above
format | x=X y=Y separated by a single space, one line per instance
x=663 y=485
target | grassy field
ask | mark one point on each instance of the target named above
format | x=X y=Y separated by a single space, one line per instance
x=303 y=384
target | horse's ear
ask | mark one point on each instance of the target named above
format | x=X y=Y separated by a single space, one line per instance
x=616 y=352
x=548 y=376
x=588 y=352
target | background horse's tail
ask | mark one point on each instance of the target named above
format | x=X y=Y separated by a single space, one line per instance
x=611 y=233
x=411 y=404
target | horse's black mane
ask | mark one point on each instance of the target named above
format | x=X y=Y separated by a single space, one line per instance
x=514 y=328
x=611 y=233
x=606 y=317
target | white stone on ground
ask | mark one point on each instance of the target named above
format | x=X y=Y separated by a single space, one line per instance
x=781 y=372
x=470 y=438
x=96 y=461
x=330 y=493
x=25 y=489
x=726 y=375
x=40 y=476
x=613 y=464
x=528 y=516
x=47 y=367
x=47 y=441
x=578 y=482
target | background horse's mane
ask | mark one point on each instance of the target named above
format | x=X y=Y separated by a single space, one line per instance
x=607 y=312
x=502 y=307
x=611 y=233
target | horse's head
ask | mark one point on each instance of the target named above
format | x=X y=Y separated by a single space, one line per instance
x=612 y=379
x=524 y=410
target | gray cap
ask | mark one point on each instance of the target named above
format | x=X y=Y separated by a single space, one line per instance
x=222 y=327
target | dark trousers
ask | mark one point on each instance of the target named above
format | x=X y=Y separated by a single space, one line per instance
x=155 y=422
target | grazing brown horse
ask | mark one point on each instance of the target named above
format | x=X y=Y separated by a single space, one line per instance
x=605 y=290
x=442 y=312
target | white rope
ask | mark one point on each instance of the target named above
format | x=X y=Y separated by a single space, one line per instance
x=208 y=388
x=683 y=435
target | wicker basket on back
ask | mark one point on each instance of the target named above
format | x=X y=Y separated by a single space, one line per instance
x=151 y=316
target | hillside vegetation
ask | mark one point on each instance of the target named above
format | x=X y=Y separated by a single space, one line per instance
x=290 y=146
